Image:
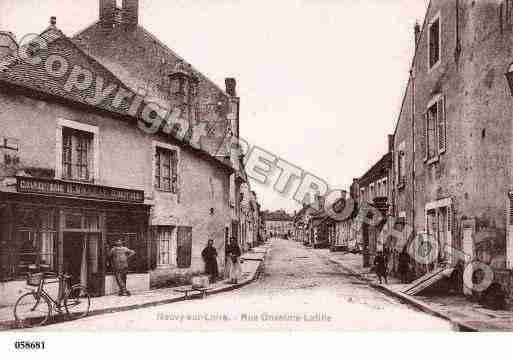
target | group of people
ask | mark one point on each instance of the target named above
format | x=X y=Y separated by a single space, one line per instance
x=233 y=253
x=119 y=256
x=381 y=266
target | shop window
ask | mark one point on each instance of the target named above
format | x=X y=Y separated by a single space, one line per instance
x=77 y=154
x=184 y=247
x=35 y=241
x=166 y=169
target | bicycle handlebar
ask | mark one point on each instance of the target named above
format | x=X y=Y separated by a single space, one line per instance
x=56 y=275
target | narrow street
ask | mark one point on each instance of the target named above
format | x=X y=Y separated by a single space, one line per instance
x=298 y=289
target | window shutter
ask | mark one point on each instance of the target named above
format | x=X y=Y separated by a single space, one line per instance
x=442 y=138
x=154 y=249
x=449 y=241
x=510 y=220
x=426 y=139
x=184 y=247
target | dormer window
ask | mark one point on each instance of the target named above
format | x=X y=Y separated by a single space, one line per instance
x=183 y=84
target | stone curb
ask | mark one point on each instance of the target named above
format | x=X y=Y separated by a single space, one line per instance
x=420 y=305
x=11 y=324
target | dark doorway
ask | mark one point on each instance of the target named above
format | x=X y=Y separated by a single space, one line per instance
x=73 y=255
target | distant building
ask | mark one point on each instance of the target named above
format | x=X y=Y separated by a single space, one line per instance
x=278 y=223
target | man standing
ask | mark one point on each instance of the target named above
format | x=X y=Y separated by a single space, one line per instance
x=234 y=252
x=209 y=255
x=403 y=266
x=380 y=266
x=119 y=258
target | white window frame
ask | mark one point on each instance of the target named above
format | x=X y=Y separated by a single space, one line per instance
x=437 y=17
x=94 y=130
x=155 y=145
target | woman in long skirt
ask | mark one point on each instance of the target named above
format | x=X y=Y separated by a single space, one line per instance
x=234 y=254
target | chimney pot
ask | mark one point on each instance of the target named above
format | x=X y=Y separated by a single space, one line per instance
x=390 y=143
x=231 y=85
x=107 y=12
x=131 y=12
x=417 y=33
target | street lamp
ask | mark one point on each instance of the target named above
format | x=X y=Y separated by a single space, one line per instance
x=509 y=78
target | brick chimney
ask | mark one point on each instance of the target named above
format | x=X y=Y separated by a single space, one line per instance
x=107 y=12
x=131 y=12
x=8 y=44
x=231 y=85
x=111 y=15
x=416 y=30
x=390 y=143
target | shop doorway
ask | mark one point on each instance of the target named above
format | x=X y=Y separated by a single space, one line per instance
x=73 y=254
x=81 y=259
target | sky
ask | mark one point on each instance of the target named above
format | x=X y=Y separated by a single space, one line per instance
x=321 y=82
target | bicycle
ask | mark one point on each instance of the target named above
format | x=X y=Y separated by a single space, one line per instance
x=34 y=308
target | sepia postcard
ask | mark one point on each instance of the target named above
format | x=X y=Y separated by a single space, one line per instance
x=225 y=165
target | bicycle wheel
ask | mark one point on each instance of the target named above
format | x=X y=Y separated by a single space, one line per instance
x=32 y=310
x=77 y=302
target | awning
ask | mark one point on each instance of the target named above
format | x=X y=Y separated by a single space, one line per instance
x=428 y=280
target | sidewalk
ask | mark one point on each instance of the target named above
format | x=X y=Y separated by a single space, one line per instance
x=465 y=315
x=252 y=261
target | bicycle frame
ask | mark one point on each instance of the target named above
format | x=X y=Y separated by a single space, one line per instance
x=57 y=304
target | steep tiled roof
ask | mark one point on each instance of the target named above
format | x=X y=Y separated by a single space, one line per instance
x=143 y=62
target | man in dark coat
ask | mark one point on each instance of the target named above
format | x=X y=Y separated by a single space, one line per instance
x=403 y=266
x=209 y=255
x=380 y=267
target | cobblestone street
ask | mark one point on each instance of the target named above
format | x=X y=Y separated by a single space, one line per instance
x=299 y=289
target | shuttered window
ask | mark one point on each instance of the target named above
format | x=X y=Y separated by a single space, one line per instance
x=435 y=130
x=163 y=235
x=184 y=247
x=432 y=115
x=77 y=154
x=434 y=42
x=166 y=170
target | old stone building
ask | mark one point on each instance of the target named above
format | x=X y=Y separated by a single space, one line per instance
x=278 y=223
x=452 y=142
x=81 y=166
